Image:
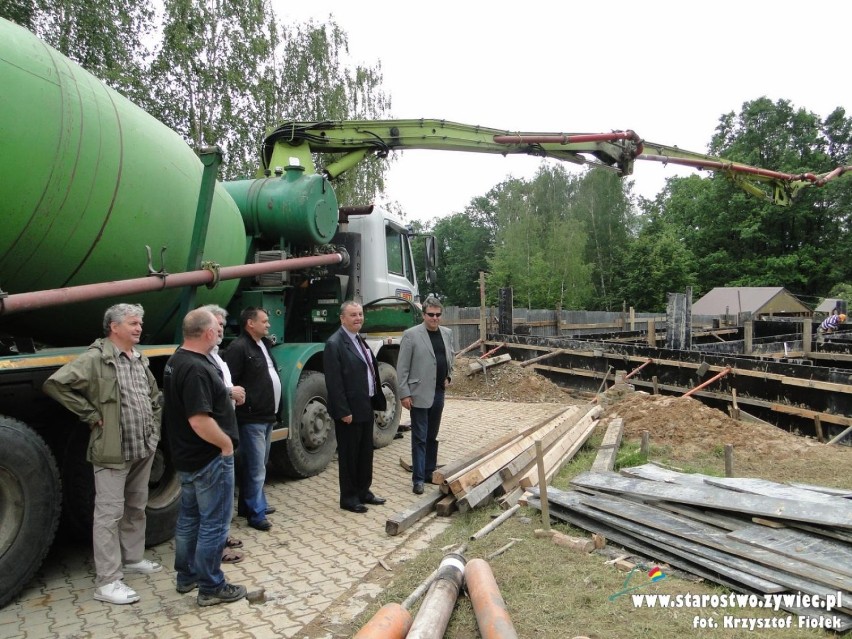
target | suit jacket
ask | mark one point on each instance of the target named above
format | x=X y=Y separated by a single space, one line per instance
x=346 y=380
x=417 y=367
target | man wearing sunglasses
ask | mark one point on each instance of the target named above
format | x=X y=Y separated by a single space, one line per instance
x=424 y=369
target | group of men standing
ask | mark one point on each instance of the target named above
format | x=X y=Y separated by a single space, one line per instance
x=216 y=406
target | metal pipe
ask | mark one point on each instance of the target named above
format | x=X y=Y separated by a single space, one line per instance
x=392 y=621
x=708 y=382
x=492 y=618
x=479 y=534
x=20 y=302
x=637 y=369
x=434 y=614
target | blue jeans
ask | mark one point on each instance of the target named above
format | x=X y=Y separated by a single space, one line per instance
x=255 y=442
x=206 y=505
x=425 y=423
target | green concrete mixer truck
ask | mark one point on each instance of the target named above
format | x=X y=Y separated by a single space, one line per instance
x=102 y=203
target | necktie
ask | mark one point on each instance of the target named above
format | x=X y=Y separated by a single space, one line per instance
x=369 y=361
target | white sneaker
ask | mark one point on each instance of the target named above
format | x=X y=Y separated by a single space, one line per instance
x=146 y=567
x=117 y=592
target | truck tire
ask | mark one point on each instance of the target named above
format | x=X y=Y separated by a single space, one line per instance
x=311 y=444
x=30 y=504
x=79 y=481
x=387 y=422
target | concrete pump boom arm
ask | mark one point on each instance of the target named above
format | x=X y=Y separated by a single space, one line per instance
x=355 y=140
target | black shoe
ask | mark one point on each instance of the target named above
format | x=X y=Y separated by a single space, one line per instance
x=357 y=508
x=270 y=510
x=418 y=488
x=375 y=501
x=188 y=588
x=263 y=524
x=226 y=594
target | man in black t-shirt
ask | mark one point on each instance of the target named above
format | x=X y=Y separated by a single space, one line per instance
x=201 y=427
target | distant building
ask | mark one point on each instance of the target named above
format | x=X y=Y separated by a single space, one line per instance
x=755 y=302
x=829 y=304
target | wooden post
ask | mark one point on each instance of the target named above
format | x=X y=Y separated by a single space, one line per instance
x=656 y=385
x=482 y=311
x=748 y=336
x=807 y=336
x=652 y=332
x=558 y=320
x=632 y=319
x=735 y=409
x=818 y=429
x=729 y=460
x=542 y=486
x=645 y=447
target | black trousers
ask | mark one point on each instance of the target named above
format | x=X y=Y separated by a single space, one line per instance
x=355 y=461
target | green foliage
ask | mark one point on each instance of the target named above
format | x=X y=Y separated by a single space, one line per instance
x=736 y=239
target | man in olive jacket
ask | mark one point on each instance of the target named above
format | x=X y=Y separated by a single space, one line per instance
x=111 y=388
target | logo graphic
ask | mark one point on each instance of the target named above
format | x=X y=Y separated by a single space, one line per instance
x=654 y=575
x=404 y=293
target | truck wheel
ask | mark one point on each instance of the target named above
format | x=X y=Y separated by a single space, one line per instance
x=387 y=422
x=311 y=444
x=163 y=497
x=30 y=500
x=79 y=508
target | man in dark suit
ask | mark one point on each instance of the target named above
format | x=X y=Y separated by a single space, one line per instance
x=354 y=392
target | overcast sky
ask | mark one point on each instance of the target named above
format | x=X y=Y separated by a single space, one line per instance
x=667 y=70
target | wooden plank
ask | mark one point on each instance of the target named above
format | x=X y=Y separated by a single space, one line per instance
x=448 y=470
x=608 y=450
x=561 y=425
x=676 y=528
x=480 y=494
x=479 y=365
x=653 y=472
x=837 y=492
x=706 y=567
x=564 y=448
x=712 y=497
x=403 y=520
x=707 y=516
x=823 y=553
x=446 y=506
x=475 y=476
x=757 y=486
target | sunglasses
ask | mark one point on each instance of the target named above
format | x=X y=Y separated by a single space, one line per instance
x=433 y=314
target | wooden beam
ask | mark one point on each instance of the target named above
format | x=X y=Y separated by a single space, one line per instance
x=407 y=518
x=608 y=450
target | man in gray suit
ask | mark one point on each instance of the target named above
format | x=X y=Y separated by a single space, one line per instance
x=424 y=368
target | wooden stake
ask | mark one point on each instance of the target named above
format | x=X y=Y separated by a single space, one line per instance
x=735 y=409
x=645 y=446
x=656 y=385
x=542 y=486
x=729 y=460
x=818 y=429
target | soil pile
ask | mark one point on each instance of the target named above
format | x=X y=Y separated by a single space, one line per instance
x=690 y=431
x=505 y=382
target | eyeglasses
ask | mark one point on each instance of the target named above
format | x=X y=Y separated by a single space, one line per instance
x=433 y=314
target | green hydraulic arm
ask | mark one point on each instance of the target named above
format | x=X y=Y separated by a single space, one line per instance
x=352 y=141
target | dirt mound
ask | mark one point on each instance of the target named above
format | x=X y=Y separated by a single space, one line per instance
x=505 y=382
x=693 y=431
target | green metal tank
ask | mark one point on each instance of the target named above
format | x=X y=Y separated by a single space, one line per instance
x=87 y=180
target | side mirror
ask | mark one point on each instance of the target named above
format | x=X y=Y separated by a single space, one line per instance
x=431 y=252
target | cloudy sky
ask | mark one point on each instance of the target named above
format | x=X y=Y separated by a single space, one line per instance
x=666 y=69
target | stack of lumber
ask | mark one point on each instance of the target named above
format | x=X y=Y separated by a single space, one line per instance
x=508 y=466
x=503 y=468
x=750 y=535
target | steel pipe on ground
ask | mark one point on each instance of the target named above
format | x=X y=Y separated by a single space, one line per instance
x=392 y=621
x=488 y=605
x=437 y=607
